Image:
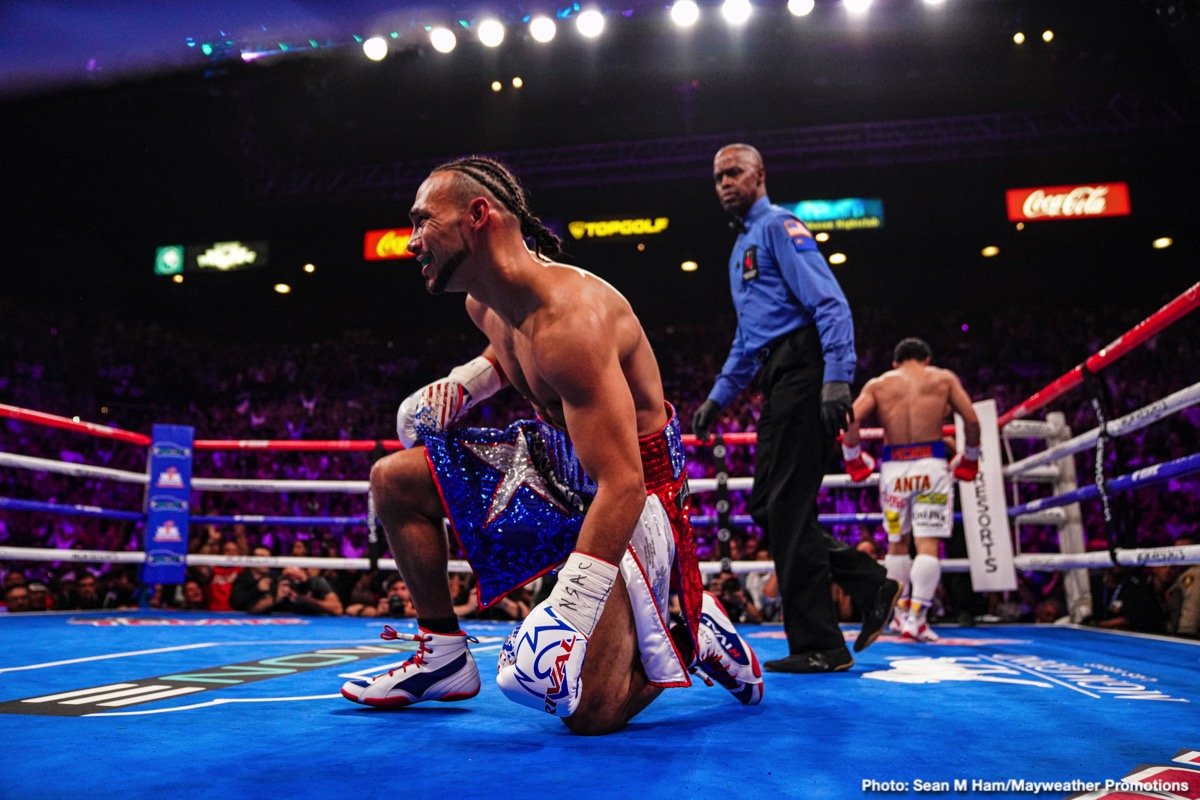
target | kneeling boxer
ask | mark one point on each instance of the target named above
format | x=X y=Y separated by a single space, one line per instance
x=594 y=484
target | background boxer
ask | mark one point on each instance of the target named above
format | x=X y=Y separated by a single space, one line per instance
x=912 y=401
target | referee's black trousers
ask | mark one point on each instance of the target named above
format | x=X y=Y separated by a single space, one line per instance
x=793 y=453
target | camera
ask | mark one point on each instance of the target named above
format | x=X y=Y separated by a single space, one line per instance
x=299 y=587
x=396 y=606
x=731 y=586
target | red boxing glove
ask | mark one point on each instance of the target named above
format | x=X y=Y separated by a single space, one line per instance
x=859 y=465
x=965 y=465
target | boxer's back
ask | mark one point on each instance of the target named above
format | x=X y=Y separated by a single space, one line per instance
x=912 y=402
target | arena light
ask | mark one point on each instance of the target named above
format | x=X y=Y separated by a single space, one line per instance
x=542 y=28
x=801 y=8
x=443 y=39
x=685 y=13
x=736 y=12
x=310 y=268
x=1047 y=36
x=491 y=32
x=283 y=288
x=497 y=86
x=689 y=266
x=837 y=258
x=857 y=7
x=990 y=251
x=1019 y=38
x=935 y=2
x=823 y=236
x=375 y=48
x=177 y=279
x=1162 y=243
x=517 y=82
x=590 y=23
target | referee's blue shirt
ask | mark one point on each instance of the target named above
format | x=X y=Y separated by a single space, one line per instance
x=780 y=282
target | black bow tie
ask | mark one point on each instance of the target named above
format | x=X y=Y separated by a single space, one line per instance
x=737 y=226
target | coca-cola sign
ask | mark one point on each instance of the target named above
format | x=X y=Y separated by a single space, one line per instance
x=1068 y=202
x=386 y=243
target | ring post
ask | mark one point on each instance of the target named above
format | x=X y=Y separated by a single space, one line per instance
x=167 y=497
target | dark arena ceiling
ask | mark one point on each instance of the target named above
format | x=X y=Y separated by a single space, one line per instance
x=266 y=122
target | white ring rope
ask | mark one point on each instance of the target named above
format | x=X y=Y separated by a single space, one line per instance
x=1043 y=562
x=268 y=485
x=1133 y=421
x=68 y=468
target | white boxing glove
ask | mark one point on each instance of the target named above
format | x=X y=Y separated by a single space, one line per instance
x=432 y=408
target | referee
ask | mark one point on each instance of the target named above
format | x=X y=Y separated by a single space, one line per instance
x=794 y=329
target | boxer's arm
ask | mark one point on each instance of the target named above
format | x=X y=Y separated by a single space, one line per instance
x=960 y=401
x=864 y=407
x=432 y=408
x=965 y=465
x=580 y=362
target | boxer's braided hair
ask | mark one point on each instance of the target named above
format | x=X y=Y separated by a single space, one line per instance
x=496 y=178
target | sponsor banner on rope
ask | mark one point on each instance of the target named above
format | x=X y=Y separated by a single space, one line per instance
x=167 y=504
x=985 y=513
x=1068 y=202
x=386 y=244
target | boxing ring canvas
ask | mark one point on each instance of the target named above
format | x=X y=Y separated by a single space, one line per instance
x=153 y=704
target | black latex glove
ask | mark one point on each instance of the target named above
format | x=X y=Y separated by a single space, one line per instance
x=837 y=409
x=704 y=418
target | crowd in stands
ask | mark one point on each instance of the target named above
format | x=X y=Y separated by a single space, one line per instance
x=131 y=375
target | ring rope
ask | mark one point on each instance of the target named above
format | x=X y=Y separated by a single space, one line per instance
x=1038 y=562
x=69 y=468
x=13 y=504
x=1182 y=305
x=1133 y=421
x=1184 y=465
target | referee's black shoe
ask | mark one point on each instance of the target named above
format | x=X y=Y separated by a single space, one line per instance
x=836 y=660
x=877 y=613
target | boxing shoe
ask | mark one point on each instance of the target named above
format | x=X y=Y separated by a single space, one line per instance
x=880 y=610
x=917 y=629
x=442 y=669
x=725 y=656
x=541 y=662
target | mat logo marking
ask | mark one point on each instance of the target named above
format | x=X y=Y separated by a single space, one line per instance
x=116 y=696
x=1094 y=680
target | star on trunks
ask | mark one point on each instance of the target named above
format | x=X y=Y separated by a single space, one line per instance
x=516 y=469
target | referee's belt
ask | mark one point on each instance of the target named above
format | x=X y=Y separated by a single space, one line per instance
x=764 y=353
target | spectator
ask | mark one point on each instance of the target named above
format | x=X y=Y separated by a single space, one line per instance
x=252 y=588
x=16 y=599
x=299 y=591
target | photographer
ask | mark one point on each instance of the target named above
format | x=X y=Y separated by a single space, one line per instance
x=397 y=602
x=253 y=589
x=299 y=591
x=733 y=597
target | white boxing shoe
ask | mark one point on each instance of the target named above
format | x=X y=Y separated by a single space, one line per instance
x=917 y=629
x=442 y=669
